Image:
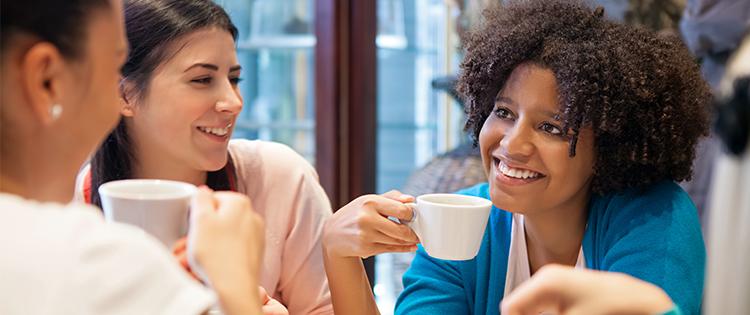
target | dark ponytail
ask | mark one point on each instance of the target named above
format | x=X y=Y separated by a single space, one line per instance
x=151 y=26
x=112 y=161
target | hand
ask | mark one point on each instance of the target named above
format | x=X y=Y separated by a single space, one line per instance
x=362 y=228
x=226 y=237
x=270 y=305
x=179 y=251
x=568 y=291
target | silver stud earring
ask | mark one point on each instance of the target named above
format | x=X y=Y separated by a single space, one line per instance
x=55 y=111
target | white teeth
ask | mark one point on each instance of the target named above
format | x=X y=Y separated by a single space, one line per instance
x=516 y=173
x=216 y=131
x=513 y=173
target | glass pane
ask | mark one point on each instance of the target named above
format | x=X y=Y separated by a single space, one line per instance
x=276 y=51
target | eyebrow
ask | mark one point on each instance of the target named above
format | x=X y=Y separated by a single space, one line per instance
x=554 y=115
x=213 y=67
x=203 y=65
x=551 y=114
x=505 y=100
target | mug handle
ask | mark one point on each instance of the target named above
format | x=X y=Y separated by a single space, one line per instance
x=414 y=222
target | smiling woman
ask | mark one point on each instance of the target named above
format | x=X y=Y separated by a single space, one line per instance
x=179 y=103
x=584 y=125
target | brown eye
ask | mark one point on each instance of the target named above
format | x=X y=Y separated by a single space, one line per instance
x=503 y=113
x=206 y=80
x=235 y=81
x=551 y=129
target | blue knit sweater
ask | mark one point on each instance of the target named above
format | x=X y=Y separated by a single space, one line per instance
x=651 y=234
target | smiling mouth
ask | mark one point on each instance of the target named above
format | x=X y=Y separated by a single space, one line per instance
x=516 y=173
x=220 y=132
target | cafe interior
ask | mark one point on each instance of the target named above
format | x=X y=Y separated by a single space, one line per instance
x=369 y=93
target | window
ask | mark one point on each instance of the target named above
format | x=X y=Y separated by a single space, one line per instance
x=416 y=48
x=276 y=51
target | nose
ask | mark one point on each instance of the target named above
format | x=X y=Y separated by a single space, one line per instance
x=230 y=100
x=516 y=143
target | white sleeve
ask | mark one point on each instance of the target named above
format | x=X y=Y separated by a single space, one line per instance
x=122 y=270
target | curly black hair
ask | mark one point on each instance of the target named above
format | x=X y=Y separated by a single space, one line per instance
x=641 y=93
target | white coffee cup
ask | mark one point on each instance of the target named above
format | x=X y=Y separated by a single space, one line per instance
x=159 y=207
x=450 y=226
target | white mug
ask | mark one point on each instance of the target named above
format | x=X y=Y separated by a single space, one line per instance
x=159 y=207
x=450 y=226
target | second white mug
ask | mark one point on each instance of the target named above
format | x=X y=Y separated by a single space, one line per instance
x=450 y=226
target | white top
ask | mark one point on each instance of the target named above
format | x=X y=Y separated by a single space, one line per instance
x=64 y=259
x=518 y=257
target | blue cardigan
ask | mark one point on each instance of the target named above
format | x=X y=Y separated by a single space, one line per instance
x=652 y=234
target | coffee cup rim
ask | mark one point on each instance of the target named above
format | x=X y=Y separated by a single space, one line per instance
x=480 y=202
x=109 y=189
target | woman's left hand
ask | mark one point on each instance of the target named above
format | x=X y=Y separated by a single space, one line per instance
x=362 y=228
x=179 y=251
x=270 y=305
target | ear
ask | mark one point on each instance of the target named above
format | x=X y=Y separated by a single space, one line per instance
x=42 y=74
x=127 y=103
x=126 y=109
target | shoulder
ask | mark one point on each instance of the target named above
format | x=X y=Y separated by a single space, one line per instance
x=78 y=228
x=58 y=222
x=81 y=229
x=69 y=249
x=664 y=200
x=660 y=221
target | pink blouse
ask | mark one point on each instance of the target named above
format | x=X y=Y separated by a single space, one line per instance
x=284 y=190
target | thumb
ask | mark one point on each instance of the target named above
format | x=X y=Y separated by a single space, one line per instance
x=264 y=298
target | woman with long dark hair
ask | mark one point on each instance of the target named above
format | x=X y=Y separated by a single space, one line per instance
x=60 y=71
x=180 y=99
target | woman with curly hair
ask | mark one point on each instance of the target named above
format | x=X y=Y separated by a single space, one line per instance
x=584 y=126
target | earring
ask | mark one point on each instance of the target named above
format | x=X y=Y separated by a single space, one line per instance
x=55 y=111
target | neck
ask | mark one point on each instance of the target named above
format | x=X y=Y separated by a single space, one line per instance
x=555 y=235
x=146 y=168
x=152 y=163
x=38 y=169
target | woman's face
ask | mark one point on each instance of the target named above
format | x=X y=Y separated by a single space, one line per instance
x=525 y=154
x=188 y=112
